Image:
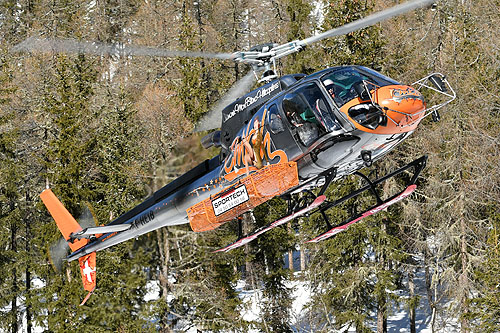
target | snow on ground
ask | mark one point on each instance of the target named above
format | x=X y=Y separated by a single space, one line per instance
x=397 y=321
x=252 y=299
x=153 y=290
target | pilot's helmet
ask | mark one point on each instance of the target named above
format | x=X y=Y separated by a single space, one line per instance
x=328 y=83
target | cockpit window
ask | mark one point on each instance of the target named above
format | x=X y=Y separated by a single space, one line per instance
x=307 y=105
x=343 y=83
x=274 y=120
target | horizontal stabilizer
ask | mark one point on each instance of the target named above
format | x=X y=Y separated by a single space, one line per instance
x=89 y=232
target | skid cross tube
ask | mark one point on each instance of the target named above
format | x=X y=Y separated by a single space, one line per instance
x=372 y=186
x=329 y=176
x=418 y=164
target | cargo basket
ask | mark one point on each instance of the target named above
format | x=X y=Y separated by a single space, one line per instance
x=247 y=193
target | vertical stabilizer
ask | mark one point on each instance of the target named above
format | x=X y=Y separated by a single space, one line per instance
x=68 y=225
x=65 y=222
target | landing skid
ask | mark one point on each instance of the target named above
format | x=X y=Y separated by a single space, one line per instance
x=242 y=241
x=321 y=204
x=344 y=225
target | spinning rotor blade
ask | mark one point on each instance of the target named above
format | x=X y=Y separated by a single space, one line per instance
x=87 y=219
x=277 y=52
x=59 y=250
x=258 y=58
x=369 y=20
x=73 y=46
x=57 y=253
x=213 y=118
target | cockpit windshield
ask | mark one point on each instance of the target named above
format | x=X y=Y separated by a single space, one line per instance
x=307 y=105
x=343 y=83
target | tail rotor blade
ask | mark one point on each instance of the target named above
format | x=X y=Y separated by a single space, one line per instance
x=87 y=218
x=57 y=253
x=213 y=118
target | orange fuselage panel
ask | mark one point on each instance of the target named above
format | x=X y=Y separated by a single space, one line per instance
x=403 y=105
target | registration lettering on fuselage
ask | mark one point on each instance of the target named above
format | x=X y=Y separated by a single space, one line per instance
x=230 y=200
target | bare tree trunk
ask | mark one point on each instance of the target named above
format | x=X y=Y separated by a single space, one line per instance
x=164 y=250
x=27 y=272
x=381 y=313
x=464 y=278
x=382 y=299
x=15 y=289
x=428 y=287
x=302 y=259
x=428 y=284
x=290 y=252
x=248 y=220
x=413 y=301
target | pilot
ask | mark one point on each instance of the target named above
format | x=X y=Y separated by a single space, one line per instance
x=334 y=90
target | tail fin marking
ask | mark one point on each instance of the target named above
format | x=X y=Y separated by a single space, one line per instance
x=88 y=271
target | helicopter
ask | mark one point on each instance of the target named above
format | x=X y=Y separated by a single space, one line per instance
x=291 y=137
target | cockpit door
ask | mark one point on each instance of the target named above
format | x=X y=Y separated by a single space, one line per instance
x=309 y=114
x=280 y=133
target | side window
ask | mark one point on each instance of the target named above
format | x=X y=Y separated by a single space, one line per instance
x=293 y=106
x=308 y=105
x=274 y=120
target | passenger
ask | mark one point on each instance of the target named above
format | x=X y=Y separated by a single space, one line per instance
x=308 y=116
x=292 y=113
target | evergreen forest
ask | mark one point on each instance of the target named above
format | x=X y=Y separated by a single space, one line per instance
x=106 y=131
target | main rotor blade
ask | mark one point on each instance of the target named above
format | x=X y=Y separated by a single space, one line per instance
x=213 y=118
x=369 y=20
x=72 y=46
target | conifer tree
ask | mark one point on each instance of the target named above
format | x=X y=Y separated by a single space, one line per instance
x=77 y=174
x=361 y=47
x=200 y=285
x=117 y=186
x=268 y=256
x=361 y=280
x=485 y=307
x=195 y=87
x=10 y=209
x=299 y=27
x=82 y=133
x=64 y=161
x=339 y=269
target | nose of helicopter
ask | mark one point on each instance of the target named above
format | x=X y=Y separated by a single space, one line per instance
x=403 y=104
x=400 y=109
